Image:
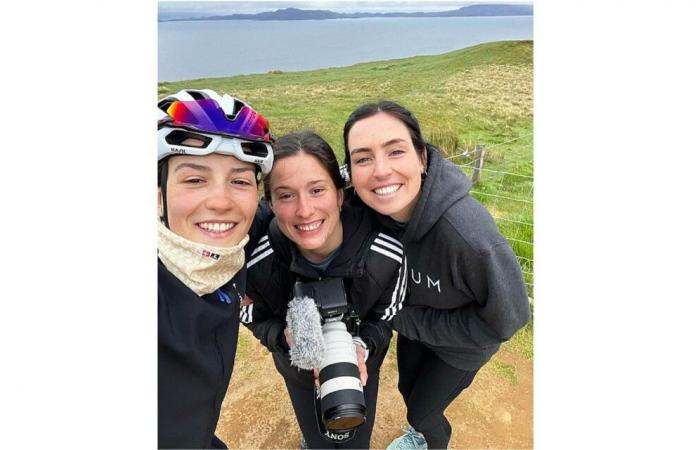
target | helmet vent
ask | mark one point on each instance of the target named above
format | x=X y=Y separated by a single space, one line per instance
x=197 y=95
x=165 y=104
x=237 y=106
x=177 y=137
x=254 y=149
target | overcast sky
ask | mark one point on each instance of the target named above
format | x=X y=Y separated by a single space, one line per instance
x=181 y=9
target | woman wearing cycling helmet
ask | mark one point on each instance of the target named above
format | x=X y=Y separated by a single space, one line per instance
x=467 y=294
x=314 y=236
x=210 y=150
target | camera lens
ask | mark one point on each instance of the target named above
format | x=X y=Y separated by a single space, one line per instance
x=344 y=417
x=342 y=397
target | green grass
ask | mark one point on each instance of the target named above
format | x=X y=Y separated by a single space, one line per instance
x=477 y=95
x=505 y=370
x=480 y=94
x=522 y=341
x=245 y=344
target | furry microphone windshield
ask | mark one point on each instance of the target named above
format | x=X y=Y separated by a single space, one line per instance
x=304 y=323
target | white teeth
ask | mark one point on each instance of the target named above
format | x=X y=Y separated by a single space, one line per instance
x=386 y=190
x=310 y=227
x=216 y=227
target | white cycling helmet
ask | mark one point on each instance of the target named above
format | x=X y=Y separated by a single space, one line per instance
x=219 y=124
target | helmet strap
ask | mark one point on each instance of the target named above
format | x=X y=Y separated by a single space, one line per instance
x=163 y=191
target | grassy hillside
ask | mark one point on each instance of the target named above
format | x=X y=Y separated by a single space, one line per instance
x=476 y=95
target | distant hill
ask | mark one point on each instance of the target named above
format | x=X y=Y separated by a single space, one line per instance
x=318 y=14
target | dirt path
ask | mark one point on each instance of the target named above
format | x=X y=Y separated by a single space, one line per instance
x=495 y=412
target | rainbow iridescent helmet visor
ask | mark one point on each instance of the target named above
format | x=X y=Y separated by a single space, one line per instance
x=207 y=116
x=246 y=137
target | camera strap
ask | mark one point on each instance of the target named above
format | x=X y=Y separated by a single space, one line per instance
x=330 y=436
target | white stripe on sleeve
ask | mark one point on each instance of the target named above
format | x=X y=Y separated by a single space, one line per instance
x=389 y=238
x=252 y=262
x=397 y=296
x=390 y=246
x=405 y=284
x=386 y=253
x=260 y=248
x=246 y=315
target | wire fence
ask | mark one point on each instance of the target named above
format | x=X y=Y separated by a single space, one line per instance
x=508 y=197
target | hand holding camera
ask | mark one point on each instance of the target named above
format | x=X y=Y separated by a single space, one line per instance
x=288 y=337
x=320 y=340
x=361 y=352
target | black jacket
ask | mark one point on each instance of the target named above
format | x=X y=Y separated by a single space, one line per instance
x=369 y=261
x=466 y=290
x=197 y=338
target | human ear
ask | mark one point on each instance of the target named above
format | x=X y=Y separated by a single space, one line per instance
x=423 y=161
x=160 y=203
x=340 y=198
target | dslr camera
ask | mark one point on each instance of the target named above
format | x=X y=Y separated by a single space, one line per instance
x=341 y=397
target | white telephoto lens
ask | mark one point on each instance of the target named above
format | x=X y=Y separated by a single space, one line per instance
x=338 y=345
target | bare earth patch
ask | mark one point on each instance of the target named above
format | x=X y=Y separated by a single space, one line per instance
x=495 y=412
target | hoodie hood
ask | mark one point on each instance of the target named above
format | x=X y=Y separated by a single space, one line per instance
x=444 y=185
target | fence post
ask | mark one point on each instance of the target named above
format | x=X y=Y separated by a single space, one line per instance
x=479 y=152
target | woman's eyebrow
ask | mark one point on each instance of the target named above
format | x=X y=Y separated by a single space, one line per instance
x=359 y=150
x=310 y=183
x=388 y=143
x=392 y=142
x=208 y=169
x=191 y=166
x=242 y=169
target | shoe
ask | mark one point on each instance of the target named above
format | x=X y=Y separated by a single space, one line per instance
x=411 y=439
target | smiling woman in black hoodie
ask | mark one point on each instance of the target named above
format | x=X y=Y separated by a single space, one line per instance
x=466 y=290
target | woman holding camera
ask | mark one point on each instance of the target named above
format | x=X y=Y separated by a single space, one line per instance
x=315 y=236
x=211 y=149
x=467 y=294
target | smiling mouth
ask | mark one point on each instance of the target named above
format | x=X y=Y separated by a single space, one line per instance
x=387 y=190
x=312 y=226
x=216 y=227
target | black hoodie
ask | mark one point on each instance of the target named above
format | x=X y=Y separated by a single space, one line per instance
x=466 y=290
